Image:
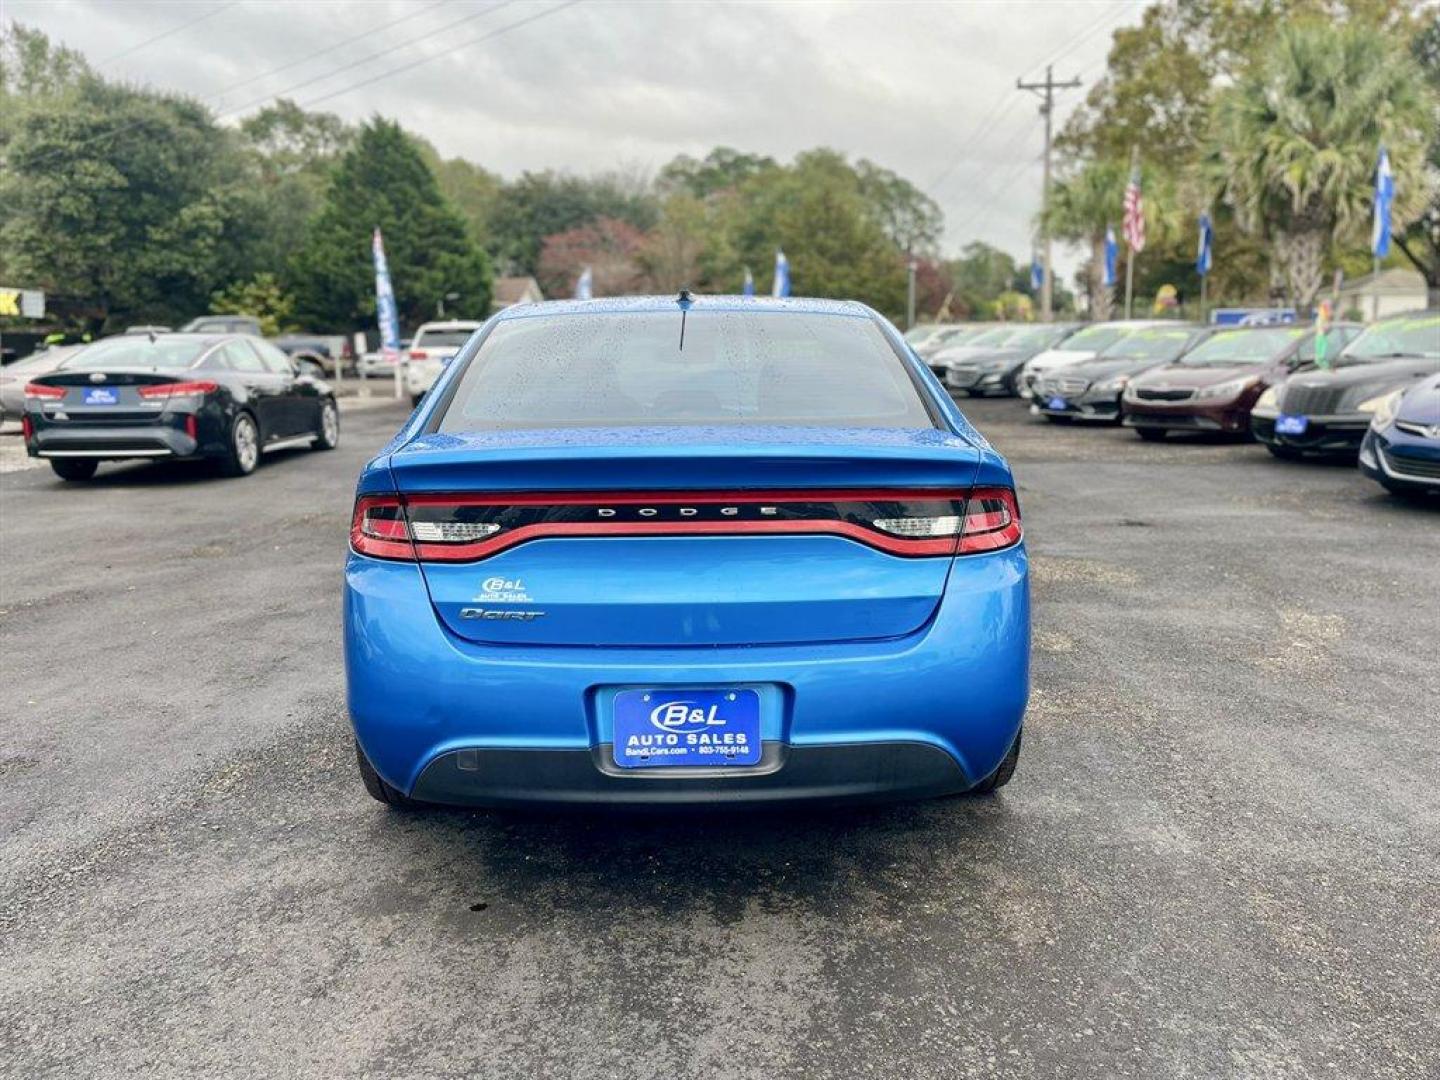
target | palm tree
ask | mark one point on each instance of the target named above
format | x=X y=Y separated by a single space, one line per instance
x=1091 y=198
x=1297 y=137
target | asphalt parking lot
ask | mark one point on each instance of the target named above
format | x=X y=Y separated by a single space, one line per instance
x=1220 y=856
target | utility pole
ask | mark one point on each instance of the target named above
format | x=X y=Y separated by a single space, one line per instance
x=910 y=294
x=1046 y=92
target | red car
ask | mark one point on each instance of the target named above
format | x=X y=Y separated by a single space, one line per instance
x=1215 y=385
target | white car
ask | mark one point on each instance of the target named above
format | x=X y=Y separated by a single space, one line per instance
x=1079 y=346
x=435 y=344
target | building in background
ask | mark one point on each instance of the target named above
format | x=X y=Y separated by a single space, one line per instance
x=1374 y=296
x=509 y=291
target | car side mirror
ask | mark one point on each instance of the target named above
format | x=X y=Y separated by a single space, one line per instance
x=308 y=369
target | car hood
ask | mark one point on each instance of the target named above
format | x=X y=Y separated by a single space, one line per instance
x=1053 y=358
x=1421 y=403
x=993 y=357
x=1194 y=377
x=1098 y=369
x=1343 y=389
x=956 y=353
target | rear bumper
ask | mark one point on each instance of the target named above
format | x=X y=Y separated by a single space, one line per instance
x=105 y=443
x=931 y=712
x=856 y=773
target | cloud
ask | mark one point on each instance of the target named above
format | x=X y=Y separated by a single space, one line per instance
x=624 y=83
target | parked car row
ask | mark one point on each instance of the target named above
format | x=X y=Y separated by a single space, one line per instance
x=1369 y=392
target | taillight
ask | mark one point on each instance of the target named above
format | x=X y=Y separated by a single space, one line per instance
x=419 y=354
x=992 y=521
x=378 y=528
x=27 y=427
x=177 y=389
x=40 y=392
x=465 y=528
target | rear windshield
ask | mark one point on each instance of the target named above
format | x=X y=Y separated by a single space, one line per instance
x=1149 y=345
x=442 y=339
x=1413 y=336
x=1092 y=339
x=1244 y=346
x=611 y=369
x=166 y=351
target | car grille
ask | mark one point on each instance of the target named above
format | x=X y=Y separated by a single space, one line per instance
x=1409 y=466
x=1311 y=400
x=1068 y=384
x=1145 y=393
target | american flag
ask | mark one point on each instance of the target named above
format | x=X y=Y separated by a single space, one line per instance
x=1134 y=225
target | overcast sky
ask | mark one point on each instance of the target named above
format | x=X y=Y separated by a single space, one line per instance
x=926 y=89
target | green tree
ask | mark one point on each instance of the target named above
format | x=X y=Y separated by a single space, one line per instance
x=722 y=169
x=979 y=276
x=1421 y=241
x=382 y=182
x=125 y=204
x=1296 y=140
x=542 y=204
x=909 y=217
x=816 y=211
x=472 y=190
x=261 y=296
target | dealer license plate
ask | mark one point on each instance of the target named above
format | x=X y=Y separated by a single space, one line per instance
x=686 y=728
x=1057 y=403
x=100 y=395
x=1291 y=425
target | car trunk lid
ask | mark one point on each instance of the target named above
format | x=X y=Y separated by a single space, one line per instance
x=699 y=537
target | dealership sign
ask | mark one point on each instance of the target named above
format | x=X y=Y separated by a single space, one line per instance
x=1241 y=316
x=26 y=303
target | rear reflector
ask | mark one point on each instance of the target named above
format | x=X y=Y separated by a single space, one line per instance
x=177 y=389
x=465 y=528
x=27 y=427
x=41 y=392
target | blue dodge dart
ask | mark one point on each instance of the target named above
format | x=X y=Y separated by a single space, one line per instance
x=681 y=551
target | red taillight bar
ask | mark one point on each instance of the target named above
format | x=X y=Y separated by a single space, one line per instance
x=40 y=392
x=381 y=524
x=177 y=389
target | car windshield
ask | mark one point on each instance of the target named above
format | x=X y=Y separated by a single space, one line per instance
x=1034 y=337
x=1230 y=347
x=42 y=360
x=998 y=335
x=168 y=351
x=1155 y=344
x=920 y=333
x=607 y=369
x=443 y=339
x=1092 y=339
x=1414 y=336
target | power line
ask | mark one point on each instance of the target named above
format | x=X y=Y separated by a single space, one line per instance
x=327 y=51
x=165 y=34
x=1004 y=103
x=365 y=59
x=444 y=52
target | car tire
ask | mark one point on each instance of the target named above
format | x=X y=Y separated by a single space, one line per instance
x=1284 y=453
x=327 y=437
x=242 y=451
x=378 y=788
x=74 y=469
x=1003 y=772
x=1151 y=434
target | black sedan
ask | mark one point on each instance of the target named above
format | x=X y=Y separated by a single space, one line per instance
x=1091 y=389
x=223 y=397
x=1327 y=413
